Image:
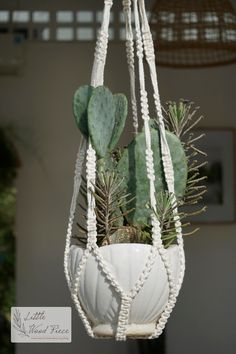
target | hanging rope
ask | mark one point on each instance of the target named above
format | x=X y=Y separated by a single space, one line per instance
x=166 y=157
x=130 y=60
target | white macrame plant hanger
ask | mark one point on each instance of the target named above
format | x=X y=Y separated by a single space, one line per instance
x=144 y=47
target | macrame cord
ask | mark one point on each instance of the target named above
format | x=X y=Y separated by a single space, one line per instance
x=144 y=46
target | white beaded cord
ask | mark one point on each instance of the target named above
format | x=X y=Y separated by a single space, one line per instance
x=91 y=239
x=74 y=292
x=106 y=271
x=127 y=298
x=145 y=115
x=167 y=164
x=130 y=60
x=166 y=157
x=100 y=55
x=96 y=80
x=77 y=182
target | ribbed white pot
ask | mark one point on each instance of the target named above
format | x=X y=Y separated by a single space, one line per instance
x=126 y=262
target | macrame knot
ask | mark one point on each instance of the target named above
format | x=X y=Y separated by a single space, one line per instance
x=144 y=105
x=91 y=227
x=156 y=232
x=126 y=299
x=158 y=106
x=126 y=5
x=108 y=2
x=168 y=171
x=150 y=166
x=130 y=52
x=148 y=46
x=135 y=114
x=91 y=164
x=139 y=45
x=123 y=317
x=101 y=47
x=109 y=275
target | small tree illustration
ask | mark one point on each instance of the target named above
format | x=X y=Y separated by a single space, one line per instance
x=18 y=324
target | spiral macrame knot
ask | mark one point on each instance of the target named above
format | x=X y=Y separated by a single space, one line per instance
x=148 y=46
x=108 y=2
x=135 y=114
x=91 y=227
x=91 y=163
x=144 y=105
x=150 y=166
x=101 y=47
x=177 y=222
x=139 y=45
x=158 y=106
x=156 y=232
x=126 y=5
x=169 y=171
x=123 y=317
x=130 y=52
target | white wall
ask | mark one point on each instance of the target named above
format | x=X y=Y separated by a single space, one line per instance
x=40 y=101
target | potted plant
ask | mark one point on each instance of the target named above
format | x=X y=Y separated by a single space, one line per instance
x=123 y=212
x=126 y=263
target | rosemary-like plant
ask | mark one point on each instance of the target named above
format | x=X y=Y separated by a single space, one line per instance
x=110 y=198
x=166 y=216
x=181 y=118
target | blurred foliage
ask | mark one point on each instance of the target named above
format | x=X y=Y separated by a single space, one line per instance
x=9 y=164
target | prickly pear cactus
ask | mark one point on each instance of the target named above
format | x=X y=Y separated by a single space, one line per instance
x=132 y=166
x=80 y=105
x=100 y=116
x=101 y=119
x=121 y=108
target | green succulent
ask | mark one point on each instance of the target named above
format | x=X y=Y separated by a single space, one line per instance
x=121 y=191
x=100 y=116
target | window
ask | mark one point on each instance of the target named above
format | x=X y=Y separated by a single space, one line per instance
x=229 y=35
x=85 y=34
x=189 y=17
x=168 y=17
x=167 y=34
x=21 y=16
x=190 y=34
x=84 y=16
x=42 y=34
x=4 y=16
x=67 y=25
x=41 y=16
x=229 y=18
x=212 y=35
x=210 y=17
x=64 y=16
x=65 y=34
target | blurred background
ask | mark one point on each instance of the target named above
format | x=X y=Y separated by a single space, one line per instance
x=46 y=52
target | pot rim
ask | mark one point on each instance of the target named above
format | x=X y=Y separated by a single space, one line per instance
x=129 y=245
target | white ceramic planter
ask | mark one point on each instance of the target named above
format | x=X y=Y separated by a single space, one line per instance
x=126 y=262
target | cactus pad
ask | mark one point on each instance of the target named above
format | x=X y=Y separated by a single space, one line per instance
x=80 y=104
x=132 y=166
x=101 y=119
x=121 y=108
